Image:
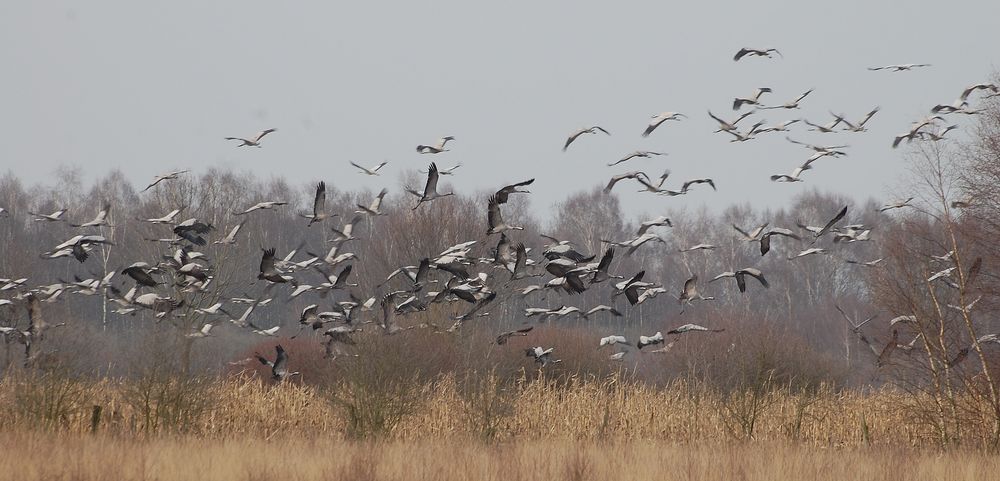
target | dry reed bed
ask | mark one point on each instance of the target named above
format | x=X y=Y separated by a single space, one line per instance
x=91 y=458
x=539 y=409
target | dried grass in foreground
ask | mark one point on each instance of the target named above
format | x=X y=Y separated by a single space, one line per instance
x=484 y=408
x=36 y=456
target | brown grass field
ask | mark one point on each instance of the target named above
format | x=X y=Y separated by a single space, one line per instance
x=84 y=458
x=243 y=428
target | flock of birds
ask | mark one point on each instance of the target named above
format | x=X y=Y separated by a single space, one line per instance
x=449 y=276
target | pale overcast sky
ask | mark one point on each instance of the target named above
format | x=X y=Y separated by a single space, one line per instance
x=150 y=86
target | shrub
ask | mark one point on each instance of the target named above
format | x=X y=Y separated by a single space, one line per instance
x=487 y=402
x=48 y=400
x=163 y=402
x=375 y=393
